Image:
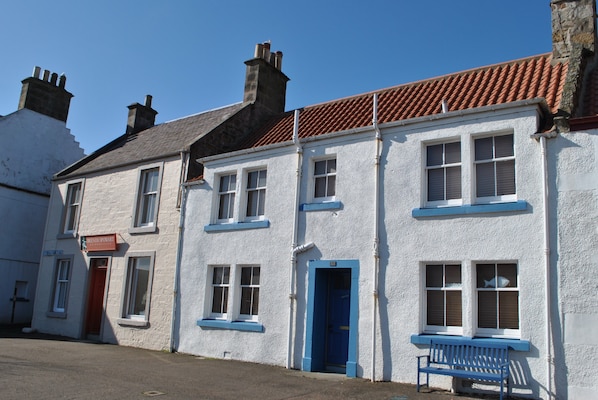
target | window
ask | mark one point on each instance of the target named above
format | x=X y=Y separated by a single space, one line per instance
x=443 y=170
x=61 y=285
x=137 y=292
x=498 y=298
x=72 y=207
x=325 y=179
x=147 y=200
x=256 y=194
x=443 y=298
x=148 y=197
x=250 y=293
x=220 y=287
x=226 y=197
x=495 y=168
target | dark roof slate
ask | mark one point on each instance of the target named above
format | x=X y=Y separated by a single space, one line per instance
x=160 y=141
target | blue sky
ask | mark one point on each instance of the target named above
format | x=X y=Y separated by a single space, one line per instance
x=189 y=54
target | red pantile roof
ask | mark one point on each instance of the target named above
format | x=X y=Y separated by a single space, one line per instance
x=524 y=79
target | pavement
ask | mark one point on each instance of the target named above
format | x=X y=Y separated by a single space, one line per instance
x=39 y=366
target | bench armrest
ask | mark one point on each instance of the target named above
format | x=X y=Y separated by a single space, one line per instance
x=426 y=356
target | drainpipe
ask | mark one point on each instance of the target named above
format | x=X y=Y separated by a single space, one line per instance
x=179 y=250
x=376 y=228
x=295 y=249
x=547 y=292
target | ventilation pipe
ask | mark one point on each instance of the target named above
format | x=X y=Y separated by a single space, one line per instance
x=376 y=229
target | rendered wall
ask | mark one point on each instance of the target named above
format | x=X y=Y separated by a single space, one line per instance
x=574 y=168
x=347 y=233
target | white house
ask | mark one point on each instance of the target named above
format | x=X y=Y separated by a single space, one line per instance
x=111 y=240
x=34 y=145
x=346 y=235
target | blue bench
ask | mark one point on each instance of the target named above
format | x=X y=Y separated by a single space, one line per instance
x=468 y=360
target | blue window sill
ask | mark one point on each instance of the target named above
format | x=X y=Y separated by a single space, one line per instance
x=520 y=205
x=233 y=326
x=514 y=344
x=329 y=205
x=237 y=226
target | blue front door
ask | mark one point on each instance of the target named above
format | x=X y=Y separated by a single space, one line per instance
x=339 y=307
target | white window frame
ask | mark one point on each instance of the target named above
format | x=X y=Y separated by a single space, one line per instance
x=225 y=294
x=252 y=287
x=128 y=318
x=327 y=176
x=494 y=161
x=259 y=191
x=72 y=208
x=446 y=287
x=498 y=332
x=141 y=198
x=444 y=166
x=229 y=193
x=61 y=281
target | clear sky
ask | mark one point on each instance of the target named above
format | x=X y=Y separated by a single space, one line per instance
x=189 y=54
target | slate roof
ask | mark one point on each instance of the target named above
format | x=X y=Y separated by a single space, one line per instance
x=158 y=142
x=524 y=79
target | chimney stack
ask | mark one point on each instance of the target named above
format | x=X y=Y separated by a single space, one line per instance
x=265 y=84
x=46 y=95
x=573 y=24
x=141 y=116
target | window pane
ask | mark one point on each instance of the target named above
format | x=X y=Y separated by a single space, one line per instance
x=453 y=275
x=485 y=273
x=331 y=186
x=503 y=146
x=505 y=177
x=262 y=178
x=60 y=296
x=151 y=181
x=261 y=202
x=221 y=275
x=331 y=166
x=508 y=271
x=320 y=167
x=487 y=309
x=485 y=180
x=452 y=153
x=453 y=183
x=252 y=203
x=320 y=189
x=434 y=155
x=139 y=289
x=252 y=179
x=246 y=276
x=453 y=308
x=435 y=307
x=434 y=276
x=483 y=149
x=435 y=184
x=509 y=310
x=220 y=300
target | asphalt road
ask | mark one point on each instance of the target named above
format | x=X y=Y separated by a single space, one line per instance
x=35 y=366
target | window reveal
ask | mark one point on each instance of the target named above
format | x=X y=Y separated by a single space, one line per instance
x=73 y=204
x=443 y=295
x=250 y=291
x=220 y=287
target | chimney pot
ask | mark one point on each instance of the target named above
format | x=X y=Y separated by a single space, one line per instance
x=148 y=100
x=54 y=78
x=46 y=75
x=62 y=81
x=36 y=72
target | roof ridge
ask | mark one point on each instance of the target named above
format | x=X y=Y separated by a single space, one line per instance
x=432 y=79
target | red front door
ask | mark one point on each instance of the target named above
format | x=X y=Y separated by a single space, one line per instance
x=95 y=298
